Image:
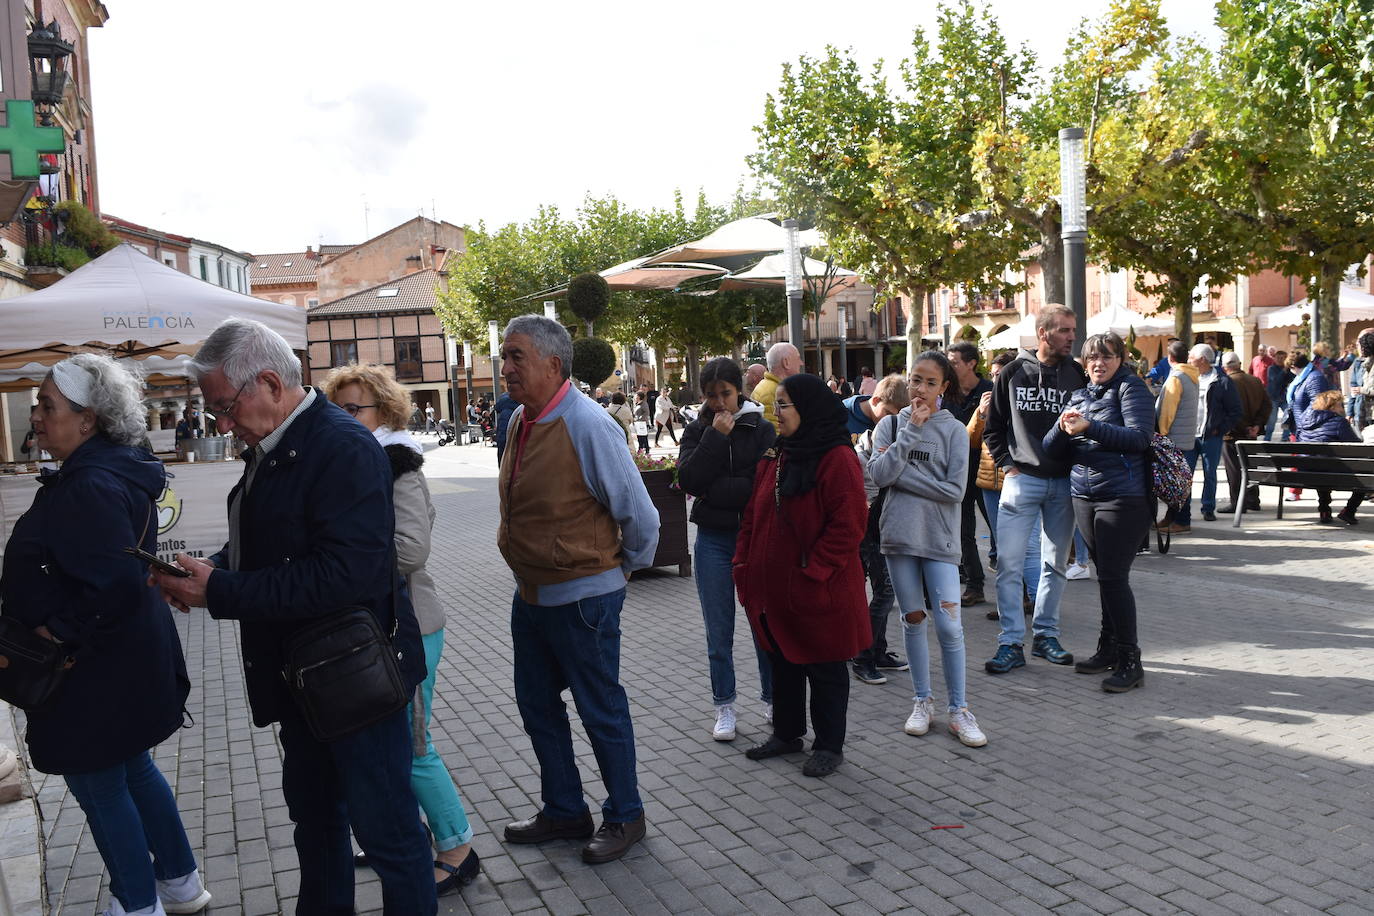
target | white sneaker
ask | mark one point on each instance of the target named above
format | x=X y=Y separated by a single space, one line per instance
x=117 y=909
x=963 y=726
x=768 y=713
x=918 y=723
x=183 y=895
x=1077 y=571
x=725 y=723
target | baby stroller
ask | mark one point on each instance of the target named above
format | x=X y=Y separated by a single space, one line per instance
x=446 y=432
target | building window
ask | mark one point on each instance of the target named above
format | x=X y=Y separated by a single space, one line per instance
x=204 y=269
x=219 y=266
x=170 y=260
x=343 y=352
x=408 y=358
x=311 y=303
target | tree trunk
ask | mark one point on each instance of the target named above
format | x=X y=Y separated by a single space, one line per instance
x=913 y=325
x=1329 y=306
x=589 y=328
x=1180 y=299
x=693 y=369
x=1052 y=266
x=659 y=380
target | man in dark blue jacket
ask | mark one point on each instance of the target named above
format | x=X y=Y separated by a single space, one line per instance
x=1218 y=411
x=311 y=526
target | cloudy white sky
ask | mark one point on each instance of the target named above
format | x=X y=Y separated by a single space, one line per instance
x=268 y=126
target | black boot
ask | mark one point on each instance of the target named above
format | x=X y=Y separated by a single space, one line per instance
x=1128 y=672
x=1103 y=660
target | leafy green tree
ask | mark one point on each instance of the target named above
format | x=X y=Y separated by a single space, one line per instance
x=1299 y=130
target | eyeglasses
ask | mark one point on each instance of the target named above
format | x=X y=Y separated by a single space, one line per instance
x=355 y=409
x=784 y=405
x=229 y=411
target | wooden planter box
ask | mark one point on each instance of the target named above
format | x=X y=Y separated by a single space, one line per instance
x=672 y=521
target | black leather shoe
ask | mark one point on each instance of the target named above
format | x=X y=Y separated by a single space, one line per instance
x=458 y=877
x=774 y=747
x=612 y=841
x=822 y=763
x=1209 y=516
x=539 y=829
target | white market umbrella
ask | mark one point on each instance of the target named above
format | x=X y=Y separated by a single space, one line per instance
x=637 y=274
x=1021 y=334
x=772 y=271
x=751 y=235
x=1120 y=320
x=1355 y=306
x=132 y=305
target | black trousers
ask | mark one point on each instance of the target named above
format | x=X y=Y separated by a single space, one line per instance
x=1353 y=503
x=829 y=701
x=1230 y=456
x=969 y=562
x=1113 y=529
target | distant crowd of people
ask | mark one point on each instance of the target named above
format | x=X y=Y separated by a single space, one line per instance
x=801 y=492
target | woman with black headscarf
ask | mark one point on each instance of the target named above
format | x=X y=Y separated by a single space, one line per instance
x=798 y=572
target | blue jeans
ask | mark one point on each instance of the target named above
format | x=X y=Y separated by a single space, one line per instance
x=911 y=577
x=1030 y=570
x=1209 y=450
x=1080 y=548
x=429 y=777
x=713 y=551
x=576 y=646
x=132 y=812
x=1024 y=498
x=1272 y=421
x=363 y=780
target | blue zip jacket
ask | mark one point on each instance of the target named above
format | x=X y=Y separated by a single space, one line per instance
x=1325 y=426
x=1109 y=457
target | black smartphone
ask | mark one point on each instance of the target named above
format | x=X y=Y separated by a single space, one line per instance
x=157 y=562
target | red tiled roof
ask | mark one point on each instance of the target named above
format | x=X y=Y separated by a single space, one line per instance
x=291 y=267
x=413 y=293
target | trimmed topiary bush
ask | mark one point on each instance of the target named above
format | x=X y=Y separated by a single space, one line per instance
x=593 y=360
x=588 y=297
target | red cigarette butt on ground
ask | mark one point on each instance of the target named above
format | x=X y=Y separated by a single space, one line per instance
x=947 y=827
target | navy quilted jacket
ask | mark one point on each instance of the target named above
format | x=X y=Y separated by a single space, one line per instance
x=1109 y=457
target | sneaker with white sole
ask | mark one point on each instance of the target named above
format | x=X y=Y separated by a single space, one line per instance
x=963 y=726
x=1078 y=571
x=725 y=723
x=186 y=894
x=918 y=723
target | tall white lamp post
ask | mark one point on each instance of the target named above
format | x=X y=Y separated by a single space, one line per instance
x=494 y=344
x=1073 y=204
x=792 y=278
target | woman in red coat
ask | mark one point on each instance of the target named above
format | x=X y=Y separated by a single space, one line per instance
x=798 y=572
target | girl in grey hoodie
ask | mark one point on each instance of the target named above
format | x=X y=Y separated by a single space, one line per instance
x=925 y=470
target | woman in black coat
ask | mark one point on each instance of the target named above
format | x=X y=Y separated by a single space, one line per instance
x=1104 y=431
x=716 y=466
x=66 y=574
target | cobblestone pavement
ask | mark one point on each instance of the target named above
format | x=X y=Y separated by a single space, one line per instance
x=1237 y=781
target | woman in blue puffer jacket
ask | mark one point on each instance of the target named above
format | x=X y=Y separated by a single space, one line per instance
x=1104 y=431
x=1324 y=422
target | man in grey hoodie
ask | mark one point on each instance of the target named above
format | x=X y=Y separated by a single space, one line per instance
x=1026 y=401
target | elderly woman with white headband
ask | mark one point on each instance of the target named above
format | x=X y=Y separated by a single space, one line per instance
x=67 y=575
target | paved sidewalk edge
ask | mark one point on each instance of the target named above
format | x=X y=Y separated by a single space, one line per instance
x=23 y=846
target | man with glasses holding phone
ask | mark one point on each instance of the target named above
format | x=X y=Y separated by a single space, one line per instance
x=310 y=535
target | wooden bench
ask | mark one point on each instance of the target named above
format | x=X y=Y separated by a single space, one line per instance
x=1319 y=465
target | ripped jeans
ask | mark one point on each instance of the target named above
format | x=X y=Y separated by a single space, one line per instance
x=912 y=579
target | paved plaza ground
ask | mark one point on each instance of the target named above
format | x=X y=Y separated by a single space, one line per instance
x=1239 y=780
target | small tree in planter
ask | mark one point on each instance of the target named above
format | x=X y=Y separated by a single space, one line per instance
x=588 y=296
x=593 y=360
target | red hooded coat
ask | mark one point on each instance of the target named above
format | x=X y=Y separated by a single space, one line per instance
x=797 y=566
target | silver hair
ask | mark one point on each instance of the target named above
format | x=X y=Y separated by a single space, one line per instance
x=548 y=336
x=116 y=398
x=1203 y=351
x=777 y=353
x=1230 y=358
x=243 y=348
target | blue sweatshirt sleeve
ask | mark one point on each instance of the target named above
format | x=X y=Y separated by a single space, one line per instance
x=611 y=477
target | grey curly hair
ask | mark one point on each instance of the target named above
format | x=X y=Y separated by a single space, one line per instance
x=116 y=398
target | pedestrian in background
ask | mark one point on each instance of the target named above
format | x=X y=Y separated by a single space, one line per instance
x=1276 y=381
x=1218 y=412
x=1255 y=410
x=663 y=417
x=798 y=572
x=720 y=451
x=622 y=414
x=66 y=576
x=962 y=401
x=1104 y=431
x=924 y=467
x=373 y=397
x=575 y=522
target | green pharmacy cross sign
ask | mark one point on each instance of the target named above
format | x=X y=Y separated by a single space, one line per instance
x=24 y=140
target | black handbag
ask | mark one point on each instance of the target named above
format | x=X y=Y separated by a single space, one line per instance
x=343 y=673
x=31 y=667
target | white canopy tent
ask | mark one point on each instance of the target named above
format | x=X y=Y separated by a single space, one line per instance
x=1021 y=334
x=1120 y=320
x=129 y=305
x=752 y=235
x=158 y=371
x=637 y=274
x=1355 y=306
x=772 y=271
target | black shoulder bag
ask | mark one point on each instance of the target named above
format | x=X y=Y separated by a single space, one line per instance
x=343 y=672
